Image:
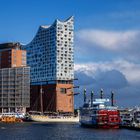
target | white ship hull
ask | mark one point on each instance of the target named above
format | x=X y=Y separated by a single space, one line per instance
x=43 y=118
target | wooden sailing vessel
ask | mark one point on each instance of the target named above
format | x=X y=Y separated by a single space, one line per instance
x=52 y=116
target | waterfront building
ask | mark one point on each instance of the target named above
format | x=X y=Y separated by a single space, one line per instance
x=11 y=55
x=50 y=56
x=14 y=79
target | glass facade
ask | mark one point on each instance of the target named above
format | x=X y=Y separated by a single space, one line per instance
x=50 y=53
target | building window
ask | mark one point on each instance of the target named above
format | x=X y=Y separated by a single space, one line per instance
x=63 y=90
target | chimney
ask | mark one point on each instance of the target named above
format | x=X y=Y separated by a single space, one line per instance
x=101 y=93
x=112 y=98
x=84 y=95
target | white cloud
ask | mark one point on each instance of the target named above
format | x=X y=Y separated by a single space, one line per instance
x=113 y=45
x=110 y=40
x=129 y=69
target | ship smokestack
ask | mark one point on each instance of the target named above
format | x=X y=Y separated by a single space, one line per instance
x=101 y=93
x=112 y=98
x=84 y=95
x=92 y=93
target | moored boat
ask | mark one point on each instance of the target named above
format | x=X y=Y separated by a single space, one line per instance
x=53 y=117
x=47 y=118
x=97 y=113
x=130 y=117
x=12 y=117
x=58 y=116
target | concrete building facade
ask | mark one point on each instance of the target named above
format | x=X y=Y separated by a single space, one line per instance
x=14 y=79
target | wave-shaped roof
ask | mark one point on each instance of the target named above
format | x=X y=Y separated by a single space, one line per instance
x=46 y=27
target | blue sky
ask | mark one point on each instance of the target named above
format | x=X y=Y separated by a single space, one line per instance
x=20 y=19
x=107 y=36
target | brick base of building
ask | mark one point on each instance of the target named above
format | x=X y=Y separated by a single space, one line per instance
x=55 y=98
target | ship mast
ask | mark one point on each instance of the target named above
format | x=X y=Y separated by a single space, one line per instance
x=41 y=100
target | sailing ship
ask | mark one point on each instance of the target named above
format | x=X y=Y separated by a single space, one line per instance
x=52 y=116
x=97 y=113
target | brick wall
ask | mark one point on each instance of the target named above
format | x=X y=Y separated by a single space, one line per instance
x=56 y=98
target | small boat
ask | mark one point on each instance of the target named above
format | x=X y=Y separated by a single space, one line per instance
x=11 y=117
x=98 y=114
x=59 y=117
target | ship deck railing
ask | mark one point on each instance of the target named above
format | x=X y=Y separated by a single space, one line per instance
x=108 y=108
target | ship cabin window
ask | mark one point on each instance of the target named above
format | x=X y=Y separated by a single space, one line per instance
x=95 y=105
x=63 y=90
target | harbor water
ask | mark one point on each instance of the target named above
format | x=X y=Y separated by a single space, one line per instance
x=45 y=131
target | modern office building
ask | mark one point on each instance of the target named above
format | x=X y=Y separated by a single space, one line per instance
x=14 y=79
x=50 y=56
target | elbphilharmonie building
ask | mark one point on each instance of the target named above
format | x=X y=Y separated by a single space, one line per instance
x=50 y=57
x=50 y=53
